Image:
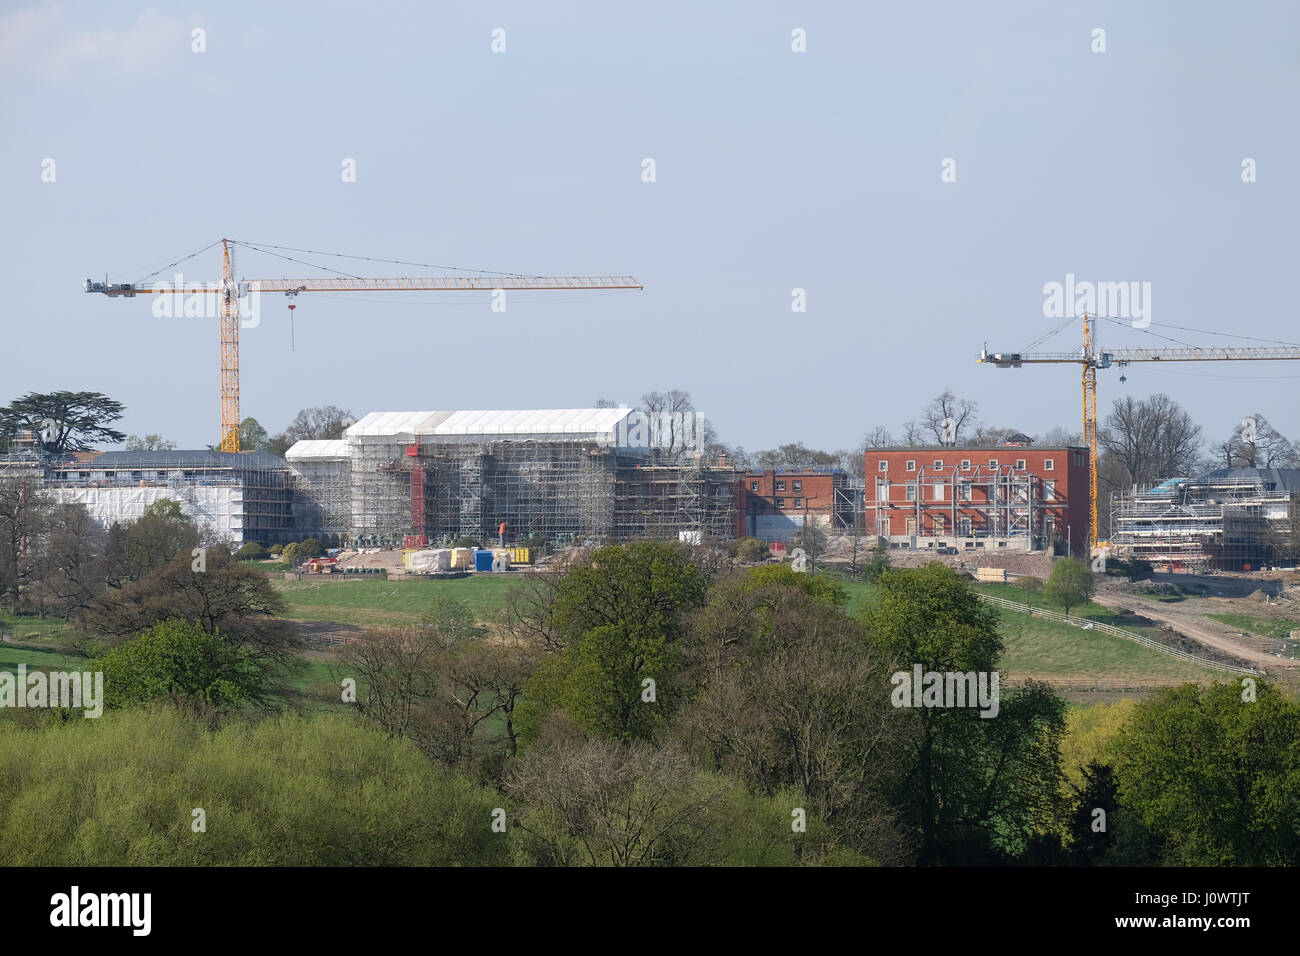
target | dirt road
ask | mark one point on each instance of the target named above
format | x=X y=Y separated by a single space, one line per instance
x=1252 y=648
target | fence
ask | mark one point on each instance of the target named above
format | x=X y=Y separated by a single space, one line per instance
x=1120 y=632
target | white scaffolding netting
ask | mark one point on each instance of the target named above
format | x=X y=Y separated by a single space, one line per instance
x=217 y=511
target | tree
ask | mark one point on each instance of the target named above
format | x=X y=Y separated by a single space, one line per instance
x=1058 y=437
x=181 y=662
x=319 y=422
x=24 y=510
x=1029 y=584
x=81 y=419
x=795 y=457
x=252 y=551
x=878 y=437
x=945 y=407
x=667 y=414
x=252 y=435
x=1150 y=440
x=605 y=403
x=619 y=617
x=1266 y=447
x=751 y=551
x=141 y=547
x=973 y=789
x=148 y=443
x=879 y=561
x=1216 y=776
x=451 y=622
x=1069 y=585
x=788 y=698
x=222 y=597
x=599 y=803
x=67 y=573
x=396 y=675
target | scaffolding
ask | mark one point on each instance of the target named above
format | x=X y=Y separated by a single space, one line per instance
x=981 y=502
x=231 y=497
x=1231 y=520
x=558 y=476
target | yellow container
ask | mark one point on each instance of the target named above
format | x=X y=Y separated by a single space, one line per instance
x=520 y=555
x=462 y=557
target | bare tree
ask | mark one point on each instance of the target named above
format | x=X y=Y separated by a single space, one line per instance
x=1150 y=439
x=601 y=803
x=1058 y=437
x=1260 y=446
x=913 y=434
x=318 y=422
x=945 y=407
x=394 y=671
x=878 y=437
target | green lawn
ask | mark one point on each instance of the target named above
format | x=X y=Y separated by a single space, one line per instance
x=43 y=658
x=1035 y=645
x=1039 y=646
x=1263 y=626
x=367 y=603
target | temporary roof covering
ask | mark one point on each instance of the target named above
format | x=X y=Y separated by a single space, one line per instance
x=317 y=448
x=600 y=424
x=201 y=458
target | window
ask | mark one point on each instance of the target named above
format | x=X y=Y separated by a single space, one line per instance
x=798 y=502
x=1020 y=463
x=796 y=486
x=965 y=527
x=965 y=464
x=911 y=492
x=965 y=491
x=911 y=466
x=938 y=491
x=1049 y=491
x=753 y=486
x=993 y=462
x=1048 y=464
x=780 y=486
x=780 y=502
x=884 y=466
x=938 y=463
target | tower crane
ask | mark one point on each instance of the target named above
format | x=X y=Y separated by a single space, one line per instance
x=1092 y=359
x=231 y=292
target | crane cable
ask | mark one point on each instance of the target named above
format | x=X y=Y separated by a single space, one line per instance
x=263 y=247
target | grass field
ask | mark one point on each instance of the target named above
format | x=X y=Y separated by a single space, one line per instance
x=369 y=603
x=1035 y=645
x=1263 y=626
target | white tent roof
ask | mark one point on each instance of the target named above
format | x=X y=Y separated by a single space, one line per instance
x=596 y=422
x=317 y=448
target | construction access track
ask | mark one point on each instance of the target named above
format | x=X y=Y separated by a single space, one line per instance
x=1249 y=648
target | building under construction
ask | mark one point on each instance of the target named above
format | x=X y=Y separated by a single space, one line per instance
x=231 y=497
x=562 y=476
x=1232 y=519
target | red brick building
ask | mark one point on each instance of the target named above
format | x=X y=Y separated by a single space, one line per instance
x=775 y=505
x=1008 y=496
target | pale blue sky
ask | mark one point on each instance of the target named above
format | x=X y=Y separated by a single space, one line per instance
x=775 y=170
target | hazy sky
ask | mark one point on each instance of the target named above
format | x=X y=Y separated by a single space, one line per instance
x=774 y=170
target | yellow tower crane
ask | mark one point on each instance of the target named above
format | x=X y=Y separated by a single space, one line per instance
x=231 y=292
x=1092 y=359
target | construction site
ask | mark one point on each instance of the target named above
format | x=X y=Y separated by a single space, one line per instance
x=1232 y=519
x=562 y=476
